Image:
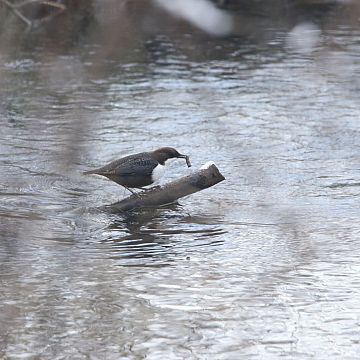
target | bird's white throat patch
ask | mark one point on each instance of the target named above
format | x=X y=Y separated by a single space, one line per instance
x=158 y=172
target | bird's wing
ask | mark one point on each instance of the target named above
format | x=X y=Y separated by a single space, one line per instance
x=130 y=166
x=137 y=167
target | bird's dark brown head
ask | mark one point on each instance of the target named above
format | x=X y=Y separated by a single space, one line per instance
x=166 y=153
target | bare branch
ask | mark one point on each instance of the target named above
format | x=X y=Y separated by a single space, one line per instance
x=15 y=8
x=18 y=13
x=41 y=2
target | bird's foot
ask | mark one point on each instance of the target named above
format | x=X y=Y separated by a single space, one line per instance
x=150 y=189
x=155 y=187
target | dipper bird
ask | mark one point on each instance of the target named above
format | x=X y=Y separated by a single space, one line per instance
x=139 y=170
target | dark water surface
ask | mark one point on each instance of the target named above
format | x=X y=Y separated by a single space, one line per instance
x=264 y=265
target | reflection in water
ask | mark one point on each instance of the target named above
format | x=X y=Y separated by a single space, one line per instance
x=201 y=13
x=263 y=265
x=160 y=235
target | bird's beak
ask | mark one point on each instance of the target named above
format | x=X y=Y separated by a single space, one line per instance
x=188 y=163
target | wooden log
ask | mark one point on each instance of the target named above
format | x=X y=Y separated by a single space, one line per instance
x=208 y=175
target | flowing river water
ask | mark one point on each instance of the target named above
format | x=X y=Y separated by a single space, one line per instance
x=264 y=265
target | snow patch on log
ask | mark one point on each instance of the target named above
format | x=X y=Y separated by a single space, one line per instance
x=207 y=165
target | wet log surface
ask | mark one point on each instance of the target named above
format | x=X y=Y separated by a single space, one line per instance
x=207 y=176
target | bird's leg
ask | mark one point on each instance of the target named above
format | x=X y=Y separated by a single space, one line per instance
x=132 y=191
